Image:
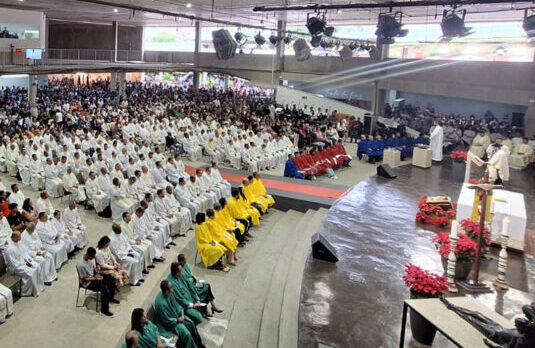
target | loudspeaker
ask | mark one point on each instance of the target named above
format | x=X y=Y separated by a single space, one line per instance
x=322 y=249
x=517 y=120
x=224 y=44
x=302 y=50
x=345 y=53
x=386 y=171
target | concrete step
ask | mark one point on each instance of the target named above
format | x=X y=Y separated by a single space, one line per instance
x=269 y=326
x=244 y=322
x=289 y=316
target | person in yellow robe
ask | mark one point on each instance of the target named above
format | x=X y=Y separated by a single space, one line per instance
x=209 y=248
x=246 y=205
x=259 y=189
x=228 y=223
x=222 y=236
x=237 y=210
x=251 y=198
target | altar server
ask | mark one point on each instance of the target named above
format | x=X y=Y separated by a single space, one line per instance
x=209 y=248
x=437 y=139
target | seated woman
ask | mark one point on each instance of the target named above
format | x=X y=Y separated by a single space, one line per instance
x=203 y=289
x=147 y=333
x=210 y=249
x=108 y=264
x=29 y=213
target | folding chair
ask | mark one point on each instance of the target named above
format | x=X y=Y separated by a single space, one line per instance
x=80 y=286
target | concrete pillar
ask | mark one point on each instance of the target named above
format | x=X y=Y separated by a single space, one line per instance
x=32 y=88
x=122 y=84
x=379 y=95
x=113 y=81
x=115 y=35
x=279 y=52
x=196 y=73
x=226 y=82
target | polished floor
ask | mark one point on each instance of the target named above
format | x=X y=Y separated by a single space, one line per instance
x=357 y=302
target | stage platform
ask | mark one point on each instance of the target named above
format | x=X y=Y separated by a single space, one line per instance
x=289 y=193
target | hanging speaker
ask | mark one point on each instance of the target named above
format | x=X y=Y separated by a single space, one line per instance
x=224 y=44
x=302 y=50
x=322 y=249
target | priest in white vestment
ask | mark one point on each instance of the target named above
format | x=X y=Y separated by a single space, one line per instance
x=436 y=141
x=98 y=197
x=119 y=201
x=522 y=153
x=33 y=246
x=53 y=184
x=150 y=233
x=53 y=241
x=131 y=261
x=5 y=232
x=480 y=143
x=187 y=199
x=142 y=246
x=71 y=185
x=74 y=224
x=20 y=263
x=183 y=214
x=164 y=212
x=498 y=166
x=16 y=196
x=196 y=192
x=44 y=204
x=6 y=303
x=152 y=218
x=36 y=173
x=23 y=166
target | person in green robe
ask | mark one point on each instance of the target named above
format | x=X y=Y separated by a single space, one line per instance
x=147 y=333
x=170 y=317
x=203 y=289
x=184 y=296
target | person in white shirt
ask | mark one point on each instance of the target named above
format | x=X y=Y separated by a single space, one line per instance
x=53 y=241
x=74 y=224
x=129 y=259
x=164 y=212
x=16 y=196
x=6 y=303
x=196 y=191
x=36 y=173
x=216 y=177
x=44 y=204
x=186 y=198
x=34 y=248
x=132 y=190
x=108 y=264
x=150 y=233
x=248 y=159
x=119 y=201
x=5 y=232
x=154 y=219
x=71 y=185
x=23 y=165
x=183 y=214
x=142 y=246
x=70 y=238
x=53 y=184
x=20 y=263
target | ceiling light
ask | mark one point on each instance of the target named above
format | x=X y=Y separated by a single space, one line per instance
x=315 y=25
x=240 y=38
x=115 y=10
x=315 y=41
x=389 y=27
x=188 y=5
x=453 y=26
x=338 y=11
x=329 y=31
x=288 y=39
x=259 y=39
x=529 y=25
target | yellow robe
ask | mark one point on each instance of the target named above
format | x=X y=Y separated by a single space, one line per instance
x=252 y=212
x=210 y=254
x=251 y=198
x=224 y=218
x=221 y=234
x=259 y=190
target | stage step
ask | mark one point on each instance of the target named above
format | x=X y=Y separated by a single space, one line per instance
x=289 y=316
x=245 y=319
x=269 y=327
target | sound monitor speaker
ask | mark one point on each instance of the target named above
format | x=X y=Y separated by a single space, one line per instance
x=224 y=44
x=322 y=249
x=517 y=120
x=302 y=50
x=345 y=53
x=386 y=171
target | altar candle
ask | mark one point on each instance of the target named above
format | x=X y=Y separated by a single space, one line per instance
x=505 y=226
x=454 y=228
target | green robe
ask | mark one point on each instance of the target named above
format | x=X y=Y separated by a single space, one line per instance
x=202 y=292
x=184 y=297
x=149 y=337
x=167 y=312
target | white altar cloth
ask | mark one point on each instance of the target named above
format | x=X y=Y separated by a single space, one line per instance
x=507 y=203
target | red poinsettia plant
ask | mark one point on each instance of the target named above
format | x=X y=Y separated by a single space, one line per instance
x=434 y=214
x=423 y=282
x=472 y=229
x=459 y=156
x=465 y=250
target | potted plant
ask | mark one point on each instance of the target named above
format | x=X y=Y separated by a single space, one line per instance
x=459 y=164
x=435 y=214
x=423 y=284
x=471 y=229
x=465 y=251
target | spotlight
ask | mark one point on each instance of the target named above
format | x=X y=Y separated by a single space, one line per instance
x=389 y=27
x=238 y=36
x=315 y=41
x=115 y=10
x=329 y=31
x=453 y=26
x=287 y=39
x=529 y=25
x=188 y=5
x=273 y=39
x=259 y=39
x=353 y=46
x=326 y=44
x=315 y=25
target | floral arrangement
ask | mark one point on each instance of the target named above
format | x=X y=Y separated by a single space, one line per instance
x=459 y=156
x=472 y=229
x=424 y=282
x=465 y=250
x=435 y=214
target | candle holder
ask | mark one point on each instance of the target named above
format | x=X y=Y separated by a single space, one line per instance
x=500 y=282
x=450 y=270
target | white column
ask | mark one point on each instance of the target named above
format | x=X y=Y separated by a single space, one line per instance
x=32 y=88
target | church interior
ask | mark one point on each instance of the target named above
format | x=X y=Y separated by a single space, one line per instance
x=267 y=174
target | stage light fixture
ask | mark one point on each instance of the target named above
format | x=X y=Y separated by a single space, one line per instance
x=315 y=41
x=273 y=39
x=287 y=39
x=315 y=25
x=238 y=36
x=329 y=31
x=326 y=43
x=529 y=25
x=259 y=39
x=353 y=46
x=388 y=27
x=453 y=26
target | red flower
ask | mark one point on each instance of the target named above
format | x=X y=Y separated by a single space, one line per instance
x=423 y=281
x=465 y=249
x=473 y=181
x=472 y=230
x=458 y=155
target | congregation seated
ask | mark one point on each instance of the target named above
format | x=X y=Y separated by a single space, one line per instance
x=144 y=333
x=109 y=265
x=522 y=154
x=480 y=143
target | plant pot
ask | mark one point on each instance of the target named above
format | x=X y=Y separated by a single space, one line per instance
x=462 y=268
x=457 y=170
x=422 y=330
